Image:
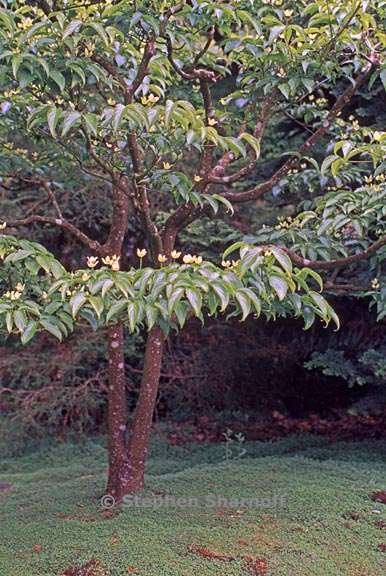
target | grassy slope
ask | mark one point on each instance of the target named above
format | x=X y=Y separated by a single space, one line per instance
x=54 y=505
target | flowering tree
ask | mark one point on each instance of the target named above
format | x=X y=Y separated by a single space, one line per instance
x=122 y=96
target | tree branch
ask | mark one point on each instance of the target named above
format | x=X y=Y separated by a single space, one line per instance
x=128 y=90
x=261 y=189
x=207 y=155
x=345 y=287
x=187 y=213
x=142 y=201
x=93 y=245
x=205 y=48
x=339 y=262
x=142 y=69
x=217 y=174
x=190 y=73
x=112 y=70
x=52 y=197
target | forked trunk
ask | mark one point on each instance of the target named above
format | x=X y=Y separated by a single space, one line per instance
x=127 y=462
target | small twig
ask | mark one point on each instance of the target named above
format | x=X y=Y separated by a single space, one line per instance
x=52 y=197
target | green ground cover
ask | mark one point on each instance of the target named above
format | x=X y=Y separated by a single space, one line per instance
x=51 y=517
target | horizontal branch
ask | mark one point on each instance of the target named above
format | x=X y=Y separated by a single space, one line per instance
x=93 y=245
x=345 y=287
x=339 y=262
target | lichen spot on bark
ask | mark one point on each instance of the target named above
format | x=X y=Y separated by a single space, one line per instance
x=121 y=365
x=114 y=344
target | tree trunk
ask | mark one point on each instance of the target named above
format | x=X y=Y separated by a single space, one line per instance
x=116 y=413
x=143 y=414
x=127 y=464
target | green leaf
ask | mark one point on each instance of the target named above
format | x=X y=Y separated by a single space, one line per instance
x=320 y=303
x=36 y=27
x=9 y=321
x=58 y=78
x=44 y=262
x=76 y=303
x=221 y=293
x=66 y=319
x=334 y=317
x=118 y=114
x=181 y=311
x=56 y=269
x=253 y=142
x=123 y=284
x=17 y=256
x=336 y=165
x=309 y=272
x=53 y=307
x=236 y=146
x=53 y=116
x=91 y=121
x=284 y=89
x=383 y=77
x=116 y=309
x=151 y=314
x=195 y=300
x=29 y=332
x=107 y=284
x=51 y=328
x=174 y=298
x=168 y=111
x=72 y=27
x=275 y=31
x=244 y=304
x=233 y=247
x=100 y=31
x=212 y=203
x=16 y=61
x=97 y=303
x=308 y=316
x=254 y=299
x=224 y=201
x=24 y=78
x=20 y=320
x=70 y=119
x=279 y=285
x=89 y=316
x=283 y=259
x=7 y=20
x=132 y=313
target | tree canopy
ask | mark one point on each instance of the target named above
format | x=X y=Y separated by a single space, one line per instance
x=129 y=96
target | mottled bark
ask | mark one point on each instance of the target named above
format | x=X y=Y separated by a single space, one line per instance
x=116 y=413
x=127 y=461
x=143 y=415
x=117 y=401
